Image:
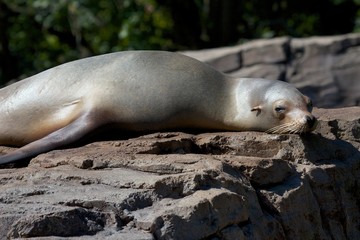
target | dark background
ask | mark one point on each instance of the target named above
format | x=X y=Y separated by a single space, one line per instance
x=39 y=34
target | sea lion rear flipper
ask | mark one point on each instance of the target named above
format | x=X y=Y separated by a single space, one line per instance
x=61 y=137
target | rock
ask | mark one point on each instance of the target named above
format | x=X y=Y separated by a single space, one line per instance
x=227 y=63
x=175 y=185
x=329 y=65
x=196 y=216
x=82 y=222
x=218 y=185
x=327 y=69
x=269 y=71
x=345 y=127
x=270 y=51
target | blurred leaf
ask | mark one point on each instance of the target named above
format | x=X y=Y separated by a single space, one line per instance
x=39 y=34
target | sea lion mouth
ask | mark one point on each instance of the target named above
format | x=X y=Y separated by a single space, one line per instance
x=295 y=127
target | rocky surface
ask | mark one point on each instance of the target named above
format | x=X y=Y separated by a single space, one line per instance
x=327 y=69
x=176 y=185
x=218 y=185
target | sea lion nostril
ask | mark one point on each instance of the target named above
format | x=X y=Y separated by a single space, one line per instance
x=311 y=120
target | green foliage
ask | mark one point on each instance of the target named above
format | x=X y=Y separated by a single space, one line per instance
x=39 y=34
x=44 y=33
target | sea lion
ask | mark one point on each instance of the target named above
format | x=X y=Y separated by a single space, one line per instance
x=137 y=91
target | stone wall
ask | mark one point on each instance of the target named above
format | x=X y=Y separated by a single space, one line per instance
x=327 y=69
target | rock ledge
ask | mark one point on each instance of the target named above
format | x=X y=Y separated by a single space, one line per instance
x=174 y=185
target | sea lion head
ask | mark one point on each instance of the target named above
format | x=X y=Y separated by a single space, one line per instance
x=285 y=110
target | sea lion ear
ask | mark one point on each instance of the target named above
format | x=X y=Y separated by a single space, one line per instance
x=256 y=108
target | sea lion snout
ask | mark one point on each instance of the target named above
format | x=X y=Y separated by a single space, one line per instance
x=311 y=122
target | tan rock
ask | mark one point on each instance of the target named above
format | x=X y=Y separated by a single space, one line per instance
x=225 y=185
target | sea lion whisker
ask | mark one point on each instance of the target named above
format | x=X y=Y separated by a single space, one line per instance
x=280 y=129
x=290 y=127
x=296 y=127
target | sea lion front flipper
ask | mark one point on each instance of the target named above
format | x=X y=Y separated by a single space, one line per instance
x=61 y=137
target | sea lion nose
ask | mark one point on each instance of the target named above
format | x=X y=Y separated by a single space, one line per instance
x=311 y=121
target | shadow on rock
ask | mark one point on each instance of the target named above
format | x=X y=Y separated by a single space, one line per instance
x=320 y=150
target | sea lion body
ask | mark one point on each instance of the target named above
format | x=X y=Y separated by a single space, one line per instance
x=137 y=91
